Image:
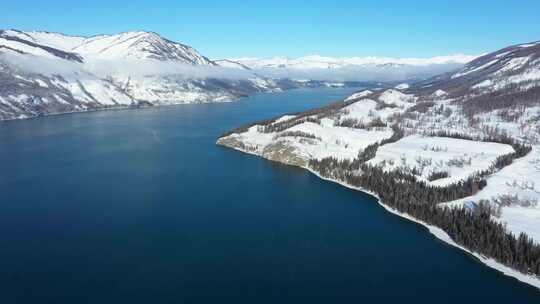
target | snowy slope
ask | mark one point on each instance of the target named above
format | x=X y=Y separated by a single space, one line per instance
x=456 y=127
x=330 y=140
x=54 y=40
x=129 y=45
x=15 y=42
x=426 y=155
x=138 y=45
x=514 y=66
x=43 y=73
x=521 y=179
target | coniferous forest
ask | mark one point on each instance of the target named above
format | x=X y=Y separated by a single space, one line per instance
x=473 y=228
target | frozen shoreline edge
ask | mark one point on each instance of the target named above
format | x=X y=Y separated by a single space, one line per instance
x=435 y=231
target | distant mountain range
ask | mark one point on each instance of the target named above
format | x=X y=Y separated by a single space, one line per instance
x=317 y=67
x=44 y=73
x=320 y=62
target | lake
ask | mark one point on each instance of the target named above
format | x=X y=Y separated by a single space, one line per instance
x=141 y=206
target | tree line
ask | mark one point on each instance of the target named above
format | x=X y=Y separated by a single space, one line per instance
x=474 y=229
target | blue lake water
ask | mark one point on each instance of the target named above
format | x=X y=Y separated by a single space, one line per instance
x=141 y=206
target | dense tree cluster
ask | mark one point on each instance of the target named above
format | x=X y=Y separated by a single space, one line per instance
x=435 y=175
x=474 y=229
x=349 y=123
x=287 y=124
x=296 y=134
x=358 y=124
x=397 y=135
x=382 y=105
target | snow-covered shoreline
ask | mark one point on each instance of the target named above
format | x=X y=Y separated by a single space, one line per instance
x=435 y=231
x=120 y=108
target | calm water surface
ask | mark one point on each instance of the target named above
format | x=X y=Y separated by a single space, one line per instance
x=143 y=207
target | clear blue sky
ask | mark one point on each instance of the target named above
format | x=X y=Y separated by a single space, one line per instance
x=232 y=28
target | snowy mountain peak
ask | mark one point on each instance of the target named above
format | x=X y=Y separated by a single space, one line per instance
x=50 y=39
x=139 y=45
x=44 y=73
x=135 y=45
x=12 y=41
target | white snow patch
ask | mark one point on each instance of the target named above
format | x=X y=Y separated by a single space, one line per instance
x=460 y=158
x=397 y=98
x=439 y=93
x=467 y=71
x=359 y=95
x=42 y=83
x=285 y=118
x=402 y=86
x=514 y=64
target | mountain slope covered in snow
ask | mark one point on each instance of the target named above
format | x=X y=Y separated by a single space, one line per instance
x=128 y=45
x=45 y=73
x=510 y=68
x=459 y=153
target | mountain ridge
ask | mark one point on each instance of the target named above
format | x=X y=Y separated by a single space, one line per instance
x=48 y=72
x=44 y=73
x=145 y=45
x=318 y=61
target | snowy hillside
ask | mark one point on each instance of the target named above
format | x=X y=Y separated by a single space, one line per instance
x=128 y=45
x=45 y=73
x=466 y=142
x=506 y=69
x=138 y=45
x=16 y=42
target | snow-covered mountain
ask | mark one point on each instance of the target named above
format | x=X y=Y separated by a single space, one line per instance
x=129 y=45
x=321 y=62
x=354 y=68
x=513 y=68
x=45 y=73
x=12 y=41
